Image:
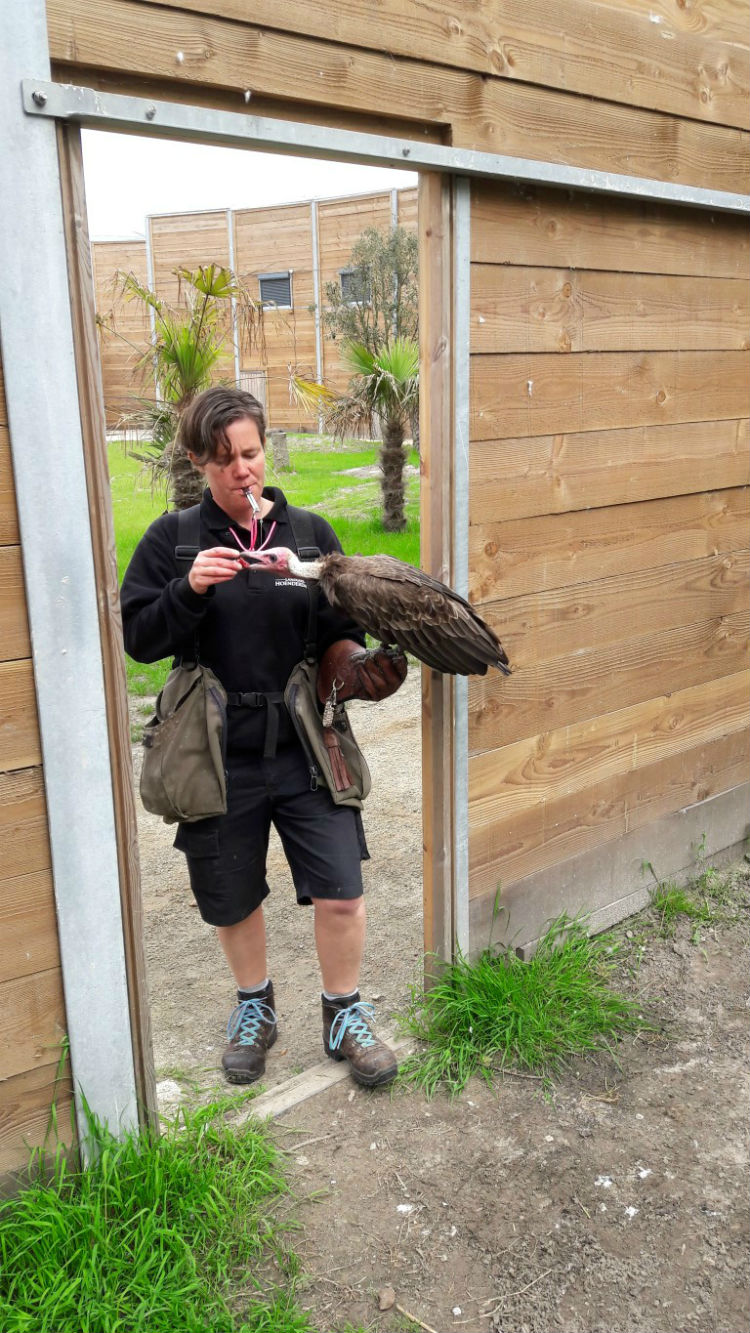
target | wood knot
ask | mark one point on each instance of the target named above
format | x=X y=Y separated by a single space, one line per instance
x=453 y=27
x=490 y=549
x=661 y=396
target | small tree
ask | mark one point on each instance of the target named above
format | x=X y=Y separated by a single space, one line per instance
x=183 y=351
x=381 y=302
x=376 y=316
x=383 y=384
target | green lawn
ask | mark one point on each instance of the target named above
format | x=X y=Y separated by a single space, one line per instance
x=321 y=478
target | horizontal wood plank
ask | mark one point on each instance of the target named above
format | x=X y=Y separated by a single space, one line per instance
x=540 y=394
x=577 y=46
x=593 y=681
x=14 y=624
x=723 y=19
x=19 y=724
x=608 y=881
x=23 y=824
x=533 y=225
x=25 y=1109
x=8 y=510
x=506 y=782
x=110 y=36
x=563 y=621
x=516 y=309
x=558 y=550
x=554 y=474
x=32 y=1022
x=506 y=850
x=28 y=925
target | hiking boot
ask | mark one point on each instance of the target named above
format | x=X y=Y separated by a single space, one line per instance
x=347 y=1035
x=251 y=1031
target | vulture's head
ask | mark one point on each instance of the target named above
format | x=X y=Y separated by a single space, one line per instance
x=280 y=560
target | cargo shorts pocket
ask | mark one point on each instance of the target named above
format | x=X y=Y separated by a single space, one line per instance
x=196 y=842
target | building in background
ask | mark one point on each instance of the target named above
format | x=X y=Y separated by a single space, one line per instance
x=285 y=254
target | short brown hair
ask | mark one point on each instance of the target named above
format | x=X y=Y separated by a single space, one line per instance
x=203 y=424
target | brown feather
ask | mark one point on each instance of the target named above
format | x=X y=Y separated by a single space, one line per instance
x=397 y=603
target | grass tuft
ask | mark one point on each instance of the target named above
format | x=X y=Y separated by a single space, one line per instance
x=499 y=1011
x=671 y=902
x=154 y=1235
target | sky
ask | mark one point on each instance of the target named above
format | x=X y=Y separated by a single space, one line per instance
x=127 y=177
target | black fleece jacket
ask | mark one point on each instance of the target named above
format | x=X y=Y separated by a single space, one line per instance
x=251 y=630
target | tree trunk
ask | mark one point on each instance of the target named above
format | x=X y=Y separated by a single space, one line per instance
x=186 y=483
x=392 y=464
x=414 y=422
x=279 y=451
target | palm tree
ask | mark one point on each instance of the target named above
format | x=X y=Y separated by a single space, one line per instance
x=184 y=349
x=384 y=386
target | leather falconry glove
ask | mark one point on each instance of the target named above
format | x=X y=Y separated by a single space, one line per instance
x=349 y=671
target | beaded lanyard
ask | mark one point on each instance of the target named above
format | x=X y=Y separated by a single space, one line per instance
x=255 y=525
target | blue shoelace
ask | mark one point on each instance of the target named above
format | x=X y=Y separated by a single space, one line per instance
x=353 y=1020
x=245 y=1021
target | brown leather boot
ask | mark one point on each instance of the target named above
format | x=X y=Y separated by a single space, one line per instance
x=348 y=1035
x=251 y=1031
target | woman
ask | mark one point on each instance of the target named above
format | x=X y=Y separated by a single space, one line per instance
x=251 y=632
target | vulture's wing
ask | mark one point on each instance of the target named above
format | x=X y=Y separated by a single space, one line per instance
x=397 y=603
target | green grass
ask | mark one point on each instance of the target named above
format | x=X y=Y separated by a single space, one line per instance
x=159 y=1234
x=500 y=1011
x=319 y=479
x=671 y=902
x=709 y=898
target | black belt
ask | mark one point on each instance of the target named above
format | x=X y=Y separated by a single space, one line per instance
x=271 y=701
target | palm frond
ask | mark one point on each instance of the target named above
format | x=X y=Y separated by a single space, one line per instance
x=308 y=395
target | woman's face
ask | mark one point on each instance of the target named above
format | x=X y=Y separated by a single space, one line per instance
x=244 y=468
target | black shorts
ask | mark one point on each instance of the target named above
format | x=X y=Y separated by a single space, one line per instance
x=226 y=855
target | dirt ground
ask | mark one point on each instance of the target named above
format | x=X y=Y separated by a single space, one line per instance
x=616 y=1203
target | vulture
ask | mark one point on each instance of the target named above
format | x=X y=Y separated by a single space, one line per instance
x=398 y=604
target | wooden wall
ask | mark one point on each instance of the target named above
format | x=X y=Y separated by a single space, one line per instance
x=124 y=325
x=32 y=1011
x=648 y=89
x=608 y=531
x=274 y=240
x=187 y=241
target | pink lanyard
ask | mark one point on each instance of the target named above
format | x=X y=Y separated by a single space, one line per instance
x=254 y=536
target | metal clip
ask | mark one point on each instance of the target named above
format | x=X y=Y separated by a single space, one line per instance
x=330 y=704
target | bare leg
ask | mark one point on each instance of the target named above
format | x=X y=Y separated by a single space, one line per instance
x=244 y=948
x=340 y=940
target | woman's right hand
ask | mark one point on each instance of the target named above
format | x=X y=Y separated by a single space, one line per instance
x=218 y=564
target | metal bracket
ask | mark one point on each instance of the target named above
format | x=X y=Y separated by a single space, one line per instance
x=111 y=111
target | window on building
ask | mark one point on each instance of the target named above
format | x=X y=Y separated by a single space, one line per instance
x=276 y=289
x=355 y=286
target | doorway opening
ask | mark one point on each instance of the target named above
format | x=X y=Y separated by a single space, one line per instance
x=248 y=217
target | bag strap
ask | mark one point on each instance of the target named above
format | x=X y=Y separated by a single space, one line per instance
x=188 y=535
x=300 y=521
x=187 y=548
